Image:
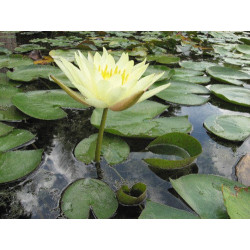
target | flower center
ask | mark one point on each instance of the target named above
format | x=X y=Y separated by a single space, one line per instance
x=106 y=74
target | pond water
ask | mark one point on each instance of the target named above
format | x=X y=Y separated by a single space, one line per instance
x=38 y=194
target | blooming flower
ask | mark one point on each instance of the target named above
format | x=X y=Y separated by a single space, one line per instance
x=104 y=83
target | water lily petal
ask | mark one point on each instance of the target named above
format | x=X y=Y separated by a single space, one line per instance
x=153 y=92
x=70 y=92
x=127 y=102
x=122 y=61
x=96 y=103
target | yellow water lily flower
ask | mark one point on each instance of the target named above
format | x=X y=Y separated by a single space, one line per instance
x=104 y=83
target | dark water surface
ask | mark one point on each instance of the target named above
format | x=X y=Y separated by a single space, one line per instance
x=38 y=195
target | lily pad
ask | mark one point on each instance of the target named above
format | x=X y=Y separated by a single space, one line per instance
x=4 y=51
x=138 y=121
x=67 y=54
x=192 y=79
x=237 y=204
x=199 y=66
x=85 y=195
x=28 y=47
x=235 y=61
x=6 y=93
x=229 y=127
x=203 y=193
x=154 y=210
x=184 y=147
x=17 y=164
x=132 y=196
x=11 y=61
x=114 y=149
x=164 y=59
x=184 y=93
x=187 y=72
x=11 y=114
x=32 y=72
x=15 y=138
x=156 y=69
x=227 y=75
x=5 y=129
x=236 y=95
x=45 y=104
x=243 y=48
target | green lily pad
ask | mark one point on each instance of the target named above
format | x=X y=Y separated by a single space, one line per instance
x=85 y=195
x=227 y=75
x=138 y=121
x=28 y=47
x=157 y=69
x=192 y=79
x=245 y=40
x=114 y=149
x=164 y=59
x=5 y=129
x=235 y=61
x=11 y=114
x=32 y=72
x=243 y=48
x=237 y=204
x=15 y=138
x=11 y=61
x=203 y=193
x=45 y=104
x=187 y=72
x=199 y=66
x=229 y=127
x=4 y=51
x=184 y=93
x=6 y=93
x=184 y=147
x=154 y=210
x=17 y=164
x=67 y=54
x=236 y=95
x=132 y=196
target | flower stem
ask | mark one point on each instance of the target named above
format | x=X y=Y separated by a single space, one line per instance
x=100 y=136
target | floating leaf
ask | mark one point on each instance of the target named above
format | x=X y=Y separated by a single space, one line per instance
x=229 y=127
x=156 y=210
x=157 y=69
x=67 y=54
x=184 y=147
x=6 y=93
x=114 y=149
x=236 y=95
x=17 y=164
x=164 y=59
x=132 y=196
x=185 y=93
x=28 y=47
x=32 y=72
x=187 y=72
x=192 y=79
x=136 y=121
x=11 y=61
x=4 y=51
x=203 y=194
x=45 y=104
x=199 y=66
x=234 y=61
x=4 y=129
x=227 y=75
x=243 y=48
x=15 y=138
x=11 y=114
x=237 y=204
x=85 y=195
